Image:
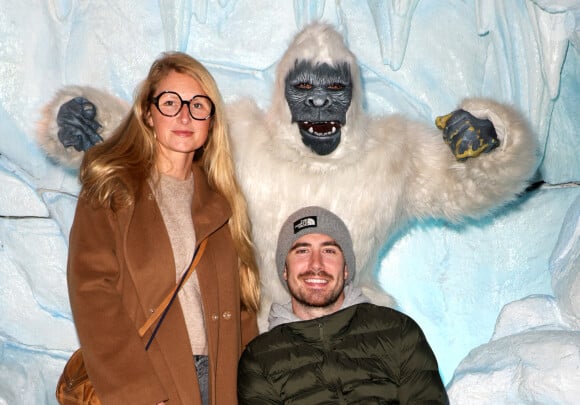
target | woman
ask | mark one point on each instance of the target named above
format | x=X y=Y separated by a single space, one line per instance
x=160 y=185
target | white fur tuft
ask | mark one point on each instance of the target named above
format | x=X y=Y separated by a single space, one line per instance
x=110 y=112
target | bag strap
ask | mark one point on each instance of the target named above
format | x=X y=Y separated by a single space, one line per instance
x=163 y=308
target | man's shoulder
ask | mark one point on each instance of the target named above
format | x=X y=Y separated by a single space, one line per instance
x=274 y=339
x=376 y=316
x=377 y=310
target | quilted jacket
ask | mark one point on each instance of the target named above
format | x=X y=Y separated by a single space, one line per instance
x=364 y=354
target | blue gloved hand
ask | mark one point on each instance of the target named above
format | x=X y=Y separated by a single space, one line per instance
x=77 y=124
x=466 y=135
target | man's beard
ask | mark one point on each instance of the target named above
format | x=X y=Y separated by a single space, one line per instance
x=316 y=299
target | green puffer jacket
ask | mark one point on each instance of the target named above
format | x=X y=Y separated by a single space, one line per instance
x=364 y=354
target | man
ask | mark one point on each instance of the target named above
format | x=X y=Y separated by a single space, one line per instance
x=328 y=345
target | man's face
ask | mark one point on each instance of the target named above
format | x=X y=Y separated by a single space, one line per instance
x=316 y=273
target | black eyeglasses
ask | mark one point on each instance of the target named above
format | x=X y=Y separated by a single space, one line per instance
x=169 y=103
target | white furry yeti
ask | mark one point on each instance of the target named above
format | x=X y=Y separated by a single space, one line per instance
x=316 y=146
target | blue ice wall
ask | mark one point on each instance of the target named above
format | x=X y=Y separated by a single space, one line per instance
x=463 y=284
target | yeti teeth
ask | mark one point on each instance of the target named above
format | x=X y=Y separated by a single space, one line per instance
x=332 y=131
x=309 y=127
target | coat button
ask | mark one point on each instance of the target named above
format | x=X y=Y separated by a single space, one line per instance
x=151 y=310
x=227 y=315
x=215 y=317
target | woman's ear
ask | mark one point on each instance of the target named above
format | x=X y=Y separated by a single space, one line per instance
x=148 y=118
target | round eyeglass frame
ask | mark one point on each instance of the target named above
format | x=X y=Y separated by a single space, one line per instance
x=155 y=102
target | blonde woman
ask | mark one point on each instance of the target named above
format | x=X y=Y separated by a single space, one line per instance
x=150 y=194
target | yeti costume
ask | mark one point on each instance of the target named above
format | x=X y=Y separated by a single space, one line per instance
x=382 y=173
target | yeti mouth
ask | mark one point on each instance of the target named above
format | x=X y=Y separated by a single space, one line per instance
x=321 y=137
x=320 y=129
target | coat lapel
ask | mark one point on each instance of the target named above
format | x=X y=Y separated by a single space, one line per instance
x=209 y=209
x=148 y=250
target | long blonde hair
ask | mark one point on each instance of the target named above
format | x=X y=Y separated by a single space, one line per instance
x=112 y=170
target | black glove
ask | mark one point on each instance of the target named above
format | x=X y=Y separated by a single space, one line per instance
x=466 y=135
x=77 y=124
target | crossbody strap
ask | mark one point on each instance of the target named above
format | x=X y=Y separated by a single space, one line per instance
x=163 y=308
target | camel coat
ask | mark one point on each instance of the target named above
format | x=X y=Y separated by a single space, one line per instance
x=120 y=268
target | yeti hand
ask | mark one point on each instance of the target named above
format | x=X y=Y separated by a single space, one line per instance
x=77 y=124
x=466 y=135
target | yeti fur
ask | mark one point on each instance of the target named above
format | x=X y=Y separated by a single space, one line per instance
x=385 y=171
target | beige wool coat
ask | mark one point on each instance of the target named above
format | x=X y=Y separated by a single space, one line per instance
x=120 y=268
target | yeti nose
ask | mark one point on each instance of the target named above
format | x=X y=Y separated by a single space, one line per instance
x=318 y=101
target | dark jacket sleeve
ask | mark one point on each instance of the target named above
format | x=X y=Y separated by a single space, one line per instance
x=420 y=381
x=253 y=385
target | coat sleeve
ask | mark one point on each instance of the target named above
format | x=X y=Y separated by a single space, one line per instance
x=115 y=358
x=253 y=386
x=419 y=379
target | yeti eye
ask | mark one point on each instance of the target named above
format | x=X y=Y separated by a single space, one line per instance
x=335 y=86
x=304 y=86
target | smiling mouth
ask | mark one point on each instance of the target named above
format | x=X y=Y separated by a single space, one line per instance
x=320 y=129
x=315 y=282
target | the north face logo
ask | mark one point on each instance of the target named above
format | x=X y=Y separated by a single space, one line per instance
x=306 y=222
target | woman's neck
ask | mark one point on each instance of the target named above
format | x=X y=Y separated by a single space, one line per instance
x=178 y=168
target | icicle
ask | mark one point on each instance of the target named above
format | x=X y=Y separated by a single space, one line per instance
x=307 y=11
x=176 y=20
x=392 y=22
x=552 y=31
x=61 y=8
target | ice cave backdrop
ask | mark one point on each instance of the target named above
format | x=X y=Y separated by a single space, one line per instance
x=499 y=299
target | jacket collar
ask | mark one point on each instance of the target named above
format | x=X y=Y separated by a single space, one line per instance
x=282 y=313
x=209 y=210
x=325 y=328
x=146 y=241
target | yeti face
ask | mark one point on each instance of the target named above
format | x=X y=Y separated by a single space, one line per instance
x=319 y=96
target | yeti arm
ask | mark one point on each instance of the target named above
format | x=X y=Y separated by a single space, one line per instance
x=442 y=186
x=76 y=119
